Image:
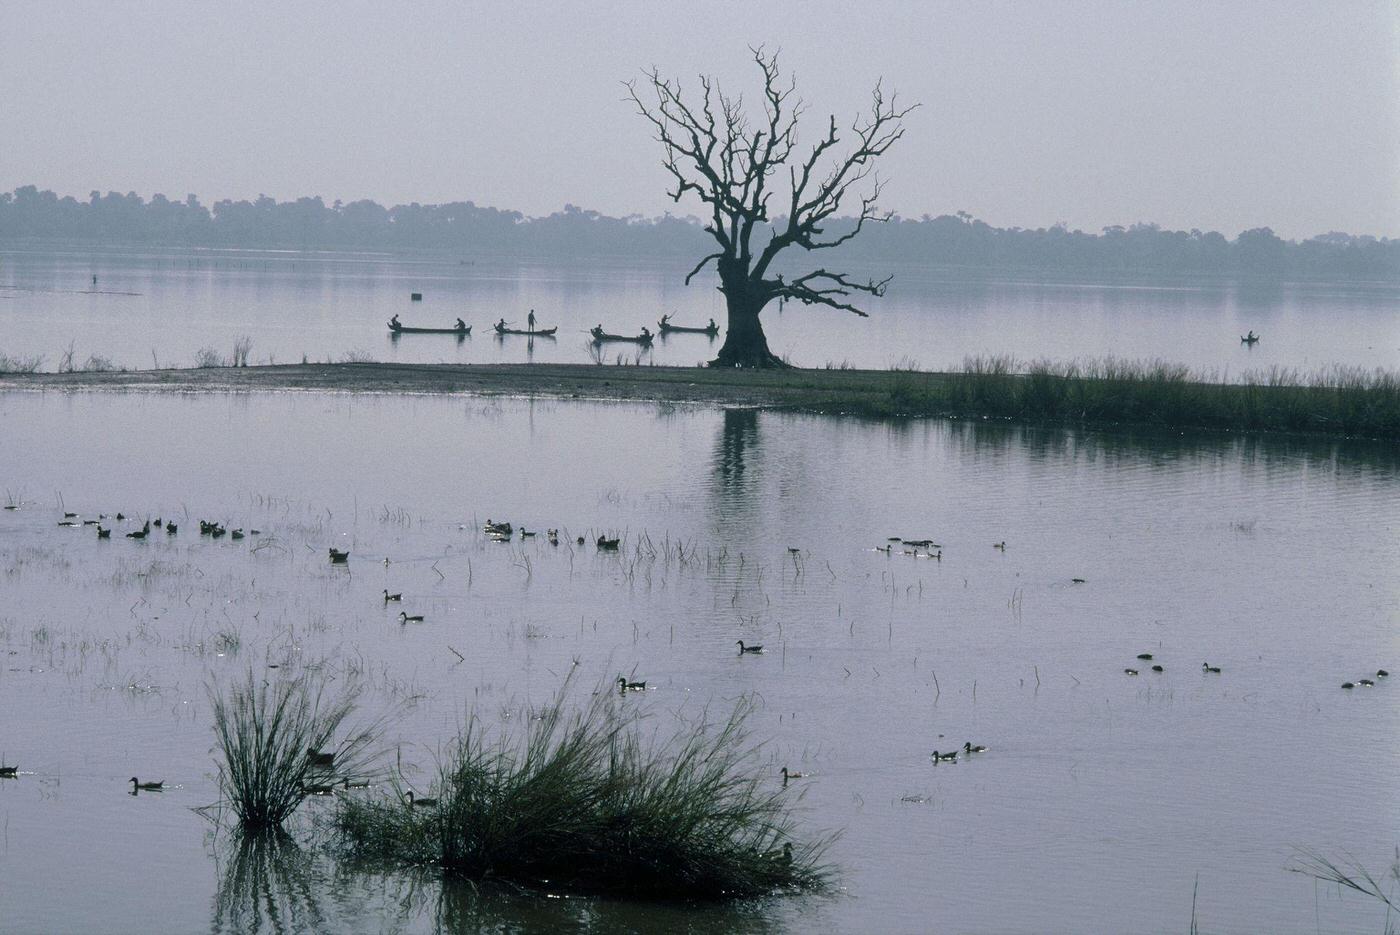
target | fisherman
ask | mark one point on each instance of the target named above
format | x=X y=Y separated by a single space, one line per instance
x=461 y=325
x=1252 y=336
x=645 y=333
x=501 y=325
x=713 y=326
x=530 y=319
x=394 y=322
x=665 y=320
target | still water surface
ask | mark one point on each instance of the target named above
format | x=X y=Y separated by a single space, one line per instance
x=1103 y=798
x=161 y=308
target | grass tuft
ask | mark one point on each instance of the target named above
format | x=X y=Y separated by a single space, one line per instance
x=1342 y=400
x=580 y=801
x=265 y=731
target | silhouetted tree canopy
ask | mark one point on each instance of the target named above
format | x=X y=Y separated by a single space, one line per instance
x=956 y=240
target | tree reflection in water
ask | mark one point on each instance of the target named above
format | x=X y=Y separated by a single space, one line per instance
x=268 y=884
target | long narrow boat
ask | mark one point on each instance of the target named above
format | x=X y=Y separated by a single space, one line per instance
x=600 y=336
x=535 y=333
x=405 y=329
x=668 y=328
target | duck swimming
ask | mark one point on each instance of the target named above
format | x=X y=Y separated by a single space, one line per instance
x=944 y=757
x=625 y=686
x=970 y=748
x=146 y=786
x=410 y=618
x=748 y=649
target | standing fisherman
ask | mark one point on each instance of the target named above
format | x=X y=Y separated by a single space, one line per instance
x=531 y=319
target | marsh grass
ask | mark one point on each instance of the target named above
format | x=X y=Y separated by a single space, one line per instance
x=264 y=731
x=582 y=801
x=1341 y=400
x=1349 y=874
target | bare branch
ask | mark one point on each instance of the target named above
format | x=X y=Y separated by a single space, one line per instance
x=701 y=265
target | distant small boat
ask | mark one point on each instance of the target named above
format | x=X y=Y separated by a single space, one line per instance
x=600 y=336
x=396 y=328
x=1250 y=338
x=711 y=329
x=532 y=332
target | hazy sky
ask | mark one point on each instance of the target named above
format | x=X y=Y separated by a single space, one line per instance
x=1221 y=115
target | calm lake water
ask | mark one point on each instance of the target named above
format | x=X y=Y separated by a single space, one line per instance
x=1103 y=801
x=163 y=307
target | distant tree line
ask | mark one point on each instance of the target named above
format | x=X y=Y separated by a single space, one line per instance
x=28 y=214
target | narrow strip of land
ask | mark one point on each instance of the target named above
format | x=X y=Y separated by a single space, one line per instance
x=1343 y=403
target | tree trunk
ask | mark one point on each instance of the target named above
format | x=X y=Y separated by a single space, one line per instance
x=744 y=342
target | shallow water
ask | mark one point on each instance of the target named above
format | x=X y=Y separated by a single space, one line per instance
x=162 y=308
x=1102 y=801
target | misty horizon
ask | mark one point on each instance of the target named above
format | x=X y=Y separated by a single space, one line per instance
x=572 y=206
x=1226 y=118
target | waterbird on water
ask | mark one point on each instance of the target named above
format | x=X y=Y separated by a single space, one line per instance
x=748 y=649
x=625 y=686
x=103 y=533
x=147 y=786
x=392 y=597
x=9 y=771
x=319 y=758
x=1144 y=655
x=1348 y=685
x=338 y=557
x=788 y=775
x=421 y=803
x=944 y=757
x=1000 y=545
x=970 y=748
x=1210 y=668
x=1381 y=673
x=1367 y=683
x=319 y=788
x=1158 y=669
x=1130 y=671
x=410 y=618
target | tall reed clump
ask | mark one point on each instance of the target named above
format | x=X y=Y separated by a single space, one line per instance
x=581 y=801
x=1342 y=401
x=266 y=732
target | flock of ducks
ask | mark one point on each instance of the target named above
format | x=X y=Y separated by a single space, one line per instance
x=1367 y=683
x=505 y=532
x=951 y=756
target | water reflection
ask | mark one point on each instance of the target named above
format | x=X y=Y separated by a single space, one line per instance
x=268 y=884
x=466 y=907
x=736 y=446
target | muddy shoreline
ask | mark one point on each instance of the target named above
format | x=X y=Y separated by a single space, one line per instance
x=830 y=391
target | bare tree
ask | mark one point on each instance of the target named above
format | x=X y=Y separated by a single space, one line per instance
x=712 y=150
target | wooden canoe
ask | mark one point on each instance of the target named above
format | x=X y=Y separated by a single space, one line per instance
x=540 y=333
x=667 y=328
x=405 y=329
x=600 y=337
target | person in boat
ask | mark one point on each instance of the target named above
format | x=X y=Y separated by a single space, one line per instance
x=665 y=320
x=598 y=328
x=1251 y=337
x=501 y=325
x=394 y=322
x=461 y=325
x=530 y=319
x=713 y=326
x=646 y=335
